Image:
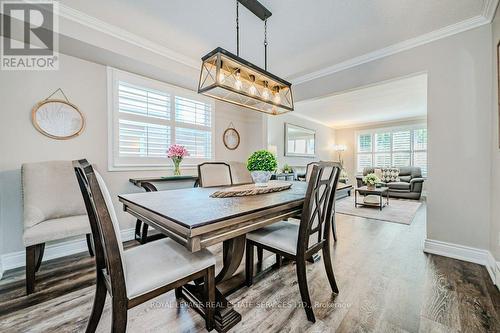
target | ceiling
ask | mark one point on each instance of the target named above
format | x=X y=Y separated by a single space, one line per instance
x=304 y=36
x=394 y=100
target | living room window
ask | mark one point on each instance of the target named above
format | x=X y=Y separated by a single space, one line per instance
x=147 y=116
x=393 y=147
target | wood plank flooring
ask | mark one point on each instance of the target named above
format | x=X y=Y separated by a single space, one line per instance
x=387 y=284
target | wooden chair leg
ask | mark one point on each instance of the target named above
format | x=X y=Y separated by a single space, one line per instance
x=144 y=234
x=279 y=260
x=304 y=290
x=260 y=254
x=30 y=269
x=99 y=300
x=327 y=260
x=118 y=316
x=90 y=244
x=334 y=228
x=138 y=225
x=178 y=293
x=39 y=250
x=249 y=264
x=210 y=297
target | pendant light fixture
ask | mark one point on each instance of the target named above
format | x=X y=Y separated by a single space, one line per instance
x=227 y=77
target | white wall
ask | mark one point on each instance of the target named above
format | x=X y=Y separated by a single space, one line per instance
x=459 y=127
x=325 y=138
x=85 y=85
x=347 y=137
x=495 y=151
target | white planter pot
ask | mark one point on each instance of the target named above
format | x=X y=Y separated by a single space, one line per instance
x=261 y=178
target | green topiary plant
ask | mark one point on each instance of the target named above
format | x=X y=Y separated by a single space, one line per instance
x=262 y=160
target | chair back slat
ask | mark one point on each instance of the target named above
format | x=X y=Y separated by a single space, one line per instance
x=108 y=247
x=319 y=206
x=212 y=174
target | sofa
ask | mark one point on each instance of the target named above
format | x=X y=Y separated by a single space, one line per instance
x=410 y=184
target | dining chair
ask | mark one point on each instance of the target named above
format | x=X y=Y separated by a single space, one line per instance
x=309 y=168
x=212 y=174
x=139 y=274
x=53 y=210
x=240 y=173
x=298 y=242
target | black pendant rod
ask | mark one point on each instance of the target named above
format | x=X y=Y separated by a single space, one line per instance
x=237 y=29
x=265 y=44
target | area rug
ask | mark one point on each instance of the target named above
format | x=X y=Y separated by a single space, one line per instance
x=398 y=211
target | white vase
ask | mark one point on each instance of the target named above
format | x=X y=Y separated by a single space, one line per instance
x=261 y=178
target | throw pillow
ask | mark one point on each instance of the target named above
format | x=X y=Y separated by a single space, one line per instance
x=378 y=173
x=390 y=175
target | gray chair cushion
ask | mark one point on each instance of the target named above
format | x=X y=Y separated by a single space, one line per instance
x=50 y=191
x=399 y=186
x=159 y=263
x=282 y=236
x=240 y=173
x=405 y=178
x=55 y=229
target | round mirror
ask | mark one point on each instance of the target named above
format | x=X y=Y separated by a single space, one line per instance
x=58 y=119
x=231 y=138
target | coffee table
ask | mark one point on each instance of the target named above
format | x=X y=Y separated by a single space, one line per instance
x=380 y=192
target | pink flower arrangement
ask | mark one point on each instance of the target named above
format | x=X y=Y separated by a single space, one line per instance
x=177 y=151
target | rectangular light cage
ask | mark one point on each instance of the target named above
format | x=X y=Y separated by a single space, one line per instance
x=229 y=78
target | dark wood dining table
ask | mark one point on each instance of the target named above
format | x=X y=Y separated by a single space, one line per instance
x=196 y=220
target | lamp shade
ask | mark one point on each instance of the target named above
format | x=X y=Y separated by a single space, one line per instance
x=229 y=78
x=340 y=147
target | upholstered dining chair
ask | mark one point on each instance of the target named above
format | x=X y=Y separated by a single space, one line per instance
x=240 y=173
x=212 y=174
x=53 y=210
x=139 y=274
x=298 y=242
x=309 y=168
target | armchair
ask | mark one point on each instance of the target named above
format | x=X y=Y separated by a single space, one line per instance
x=53 y=210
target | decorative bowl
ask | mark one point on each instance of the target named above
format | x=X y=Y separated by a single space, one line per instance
x=261 y=178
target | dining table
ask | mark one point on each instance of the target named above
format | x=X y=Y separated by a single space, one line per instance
x=193 y=218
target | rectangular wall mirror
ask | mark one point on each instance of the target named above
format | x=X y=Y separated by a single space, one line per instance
x=299 y=141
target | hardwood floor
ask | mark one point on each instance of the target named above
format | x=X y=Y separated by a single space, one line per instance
x=387 y=284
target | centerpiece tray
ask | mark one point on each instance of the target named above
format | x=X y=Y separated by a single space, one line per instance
x=251 y=189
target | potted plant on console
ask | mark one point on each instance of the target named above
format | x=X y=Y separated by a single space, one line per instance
x=261 y=165
x=371 y=180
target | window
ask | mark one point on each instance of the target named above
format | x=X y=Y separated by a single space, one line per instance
x=396 y=147
x=147 y=116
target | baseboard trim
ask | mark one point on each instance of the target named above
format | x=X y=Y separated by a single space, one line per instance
x=465 y=253
x=52 y=251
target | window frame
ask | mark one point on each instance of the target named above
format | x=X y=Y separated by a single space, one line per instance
x=391 y=130
x=117 y=163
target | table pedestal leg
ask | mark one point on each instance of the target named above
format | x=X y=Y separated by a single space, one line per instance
x=225 y=315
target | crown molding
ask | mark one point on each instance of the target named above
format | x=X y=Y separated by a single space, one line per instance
x=489 y=9
x=119 y=33
x=487 y=14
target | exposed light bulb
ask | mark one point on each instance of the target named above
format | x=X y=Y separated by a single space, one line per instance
x=252 y=90
x=277 y=97
x=238 y=84
x=221 y=77
x=265 y=92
